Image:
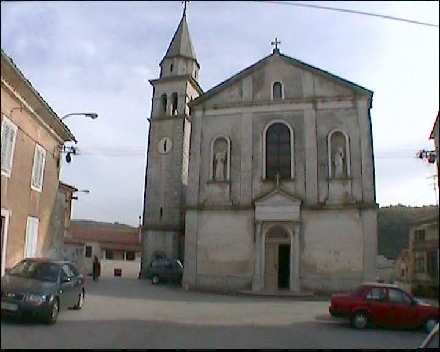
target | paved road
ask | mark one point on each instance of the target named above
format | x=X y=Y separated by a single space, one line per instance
x=129 y=313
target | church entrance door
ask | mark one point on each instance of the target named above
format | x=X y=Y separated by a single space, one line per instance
x=271 y=274
x=277 y=260
x=283 y=266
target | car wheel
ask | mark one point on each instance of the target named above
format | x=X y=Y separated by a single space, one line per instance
x=360 y=320
x=80 y=302
x=155 y=279
x=53 y=313
x=429 y=324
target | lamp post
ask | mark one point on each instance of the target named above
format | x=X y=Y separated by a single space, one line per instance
x=82 y=191
x=92 y=115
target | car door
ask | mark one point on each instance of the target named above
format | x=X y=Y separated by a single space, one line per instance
x=168 y=270
x=403 y=312
x=376 y=301
x=67 y=290
x=77 y=282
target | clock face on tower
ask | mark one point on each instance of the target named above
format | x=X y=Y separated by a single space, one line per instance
x=165 y=145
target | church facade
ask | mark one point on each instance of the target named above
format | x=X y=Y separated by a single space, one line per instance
x=264 y=182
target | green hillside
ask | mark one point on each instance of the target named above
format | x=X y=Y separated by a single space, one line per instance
x=394 y=222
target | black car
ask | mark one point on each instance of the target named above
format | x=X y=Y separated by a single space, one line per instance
x=164 y=269
x=41 y=287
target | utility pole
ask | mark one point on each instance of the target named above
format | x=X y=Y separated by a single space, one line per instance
x=434 y=184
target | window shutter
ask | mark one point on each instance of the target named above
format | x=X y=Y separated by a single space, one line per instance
x=9 y=132
x=6 y=132
x=31 y=237
x=38 y=170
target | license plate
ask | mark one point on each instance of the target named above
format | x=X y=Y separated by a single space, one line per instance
x=9 y=306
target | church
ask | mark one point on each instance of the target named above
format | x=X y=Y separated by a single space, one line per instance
x=264 y=182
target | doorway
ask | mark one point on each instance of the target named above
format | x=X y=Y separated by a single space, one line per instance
x=283 y=266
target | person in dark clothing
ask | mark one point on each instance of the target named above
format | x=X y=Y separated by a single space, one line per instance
x=96 y=269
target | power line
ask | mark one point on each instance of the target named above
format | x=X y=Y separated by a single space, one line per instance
x=351 y=11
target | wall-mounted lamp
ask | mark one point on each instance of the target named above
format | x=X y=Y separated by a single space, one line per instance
x=82 y=191
x=92 y=115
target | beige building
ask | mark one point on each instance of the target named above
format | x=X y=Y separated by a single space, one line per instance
x=117 y=246
x=402 y=273
x=32 y=137
x=424 y=251
x=265 y=181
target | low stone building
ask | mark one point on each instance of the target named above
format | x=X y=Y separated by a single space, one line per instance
x=117 y=246
x=402 y=271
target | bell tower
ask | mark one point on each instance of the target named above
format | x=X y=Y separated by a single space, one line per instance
x=166 y=176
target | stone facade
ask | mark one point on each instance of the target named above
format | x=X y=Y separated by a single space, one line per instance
x=312 y=228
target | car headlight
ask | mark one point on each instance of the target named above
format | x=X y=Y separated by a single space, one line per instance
x=35 y=298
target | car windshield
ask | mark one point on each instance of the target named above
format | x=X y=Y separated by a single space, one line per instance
x=36 y=270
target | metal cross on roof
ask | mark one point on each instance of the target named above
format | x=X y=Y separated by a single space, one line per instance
x=275 y=43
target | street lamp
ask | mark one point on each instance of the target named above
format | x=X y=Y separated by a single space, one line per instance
x=82 y=191
x=92 y=115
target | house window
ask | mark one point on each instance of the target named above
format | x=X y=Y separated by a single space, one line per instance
x=31 y=237
x=174 y=104
x=109 y=254
x=420 y=265
x=38 y=169
x=88 y=251
x=163 y=100
x=419 y=235
x=171 y=67
x=432 y=263
x=130 y=255
x=277 y=91
x=278 y=151
x=9 y=134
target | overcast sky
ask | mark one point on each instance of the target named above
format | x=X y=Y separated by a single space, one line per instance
x=98 y=56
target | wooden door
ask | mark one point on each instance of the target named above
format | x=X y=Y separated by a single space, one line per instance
x=271 y=266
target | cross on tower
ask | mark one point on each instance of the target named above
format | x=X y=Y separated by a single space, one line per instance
x=184 y=2
x=275 y=43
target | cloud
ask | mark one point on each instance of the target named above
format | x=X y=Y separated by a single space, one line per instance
x=99 y=56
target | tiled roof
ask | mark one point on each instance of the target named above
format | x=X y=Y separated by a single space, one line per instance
x=108 y=236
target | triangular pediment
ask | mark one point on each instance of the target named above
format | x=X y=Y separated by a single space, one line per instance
x=277 y=197
x=301 y=80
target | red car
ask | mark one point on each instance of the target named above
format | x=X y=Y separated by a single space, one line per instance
x=383 y=305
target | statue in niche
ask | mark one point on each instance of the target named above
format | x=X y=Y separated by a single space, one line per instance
x=219 y=162
x=339 y=162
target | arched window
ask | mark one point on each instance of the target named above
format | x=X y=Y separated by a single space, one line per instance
x=174 y=104
x=277 y=233
x=277 y=91
x=163 y=99
x=278 y=151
